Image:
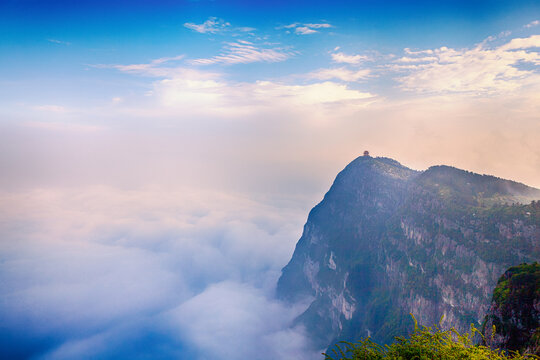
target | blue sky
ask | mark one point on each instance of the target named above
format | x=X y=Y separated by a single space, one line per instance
x=57 y=41
x=183 y=143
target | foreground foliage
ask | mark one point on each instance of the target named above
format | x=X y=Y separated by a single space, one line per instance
x=424 y=343
x=514 y=311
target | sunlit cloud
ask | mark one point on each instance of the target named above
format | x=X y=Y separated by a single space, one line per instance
x=233 y=100
x=341 y=73
x=341 y=57
x=319 y=93
x=304 y=30
x=532 y=24
x=482 y=69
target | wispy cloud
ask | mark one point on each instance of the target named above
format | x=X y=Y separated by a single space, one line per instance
x=305 y=29
x=482 y=69
x=60 y=42
x=212 y=25
x=319 y=26
x=290 y=26
x=407 y=59
x=341 y=73
x=532 y=24
x=245 y=29
x=340 y=57
x=152 y=68
x=243 y=52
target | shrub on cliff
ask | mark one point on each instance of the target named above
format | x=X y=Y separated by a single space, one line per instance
x=424 y=343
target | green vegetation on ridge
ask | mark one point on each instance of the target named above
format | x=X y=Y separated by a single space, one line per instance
x=514 y=311
x=424 y=343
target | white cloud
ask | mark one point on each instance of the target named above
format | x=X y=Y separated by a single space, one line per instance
x=156 y=67
x=418 y=52
x=313 y=94
x=305 y=29
x=341 y=73
x=101 y=268
x=166 y=59
x=348 y=59
x=319 y=26
x=406 y=59
x=246 y=29
x=480 y=70
x=290 y=26
x=212 y=25
x=60 y=42
x=227 y=316
x=222 y=98
x=532 y=24
x=243 y=52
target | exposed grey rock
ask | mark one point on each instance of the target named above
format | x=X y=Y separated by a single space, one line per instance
x=387 y=241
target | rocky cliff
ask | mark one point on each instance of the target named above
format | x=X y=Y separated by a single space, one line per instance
x=514 y=313
x=386 y=241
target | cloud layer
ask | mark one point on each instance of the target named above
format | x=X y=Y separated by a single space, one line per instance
x=107 y=273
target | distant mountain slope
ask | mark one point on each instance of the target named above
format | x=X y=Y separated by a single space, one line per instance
x=387 y=240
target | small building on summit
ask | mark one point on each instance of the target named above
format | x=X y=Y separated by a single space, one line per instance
x=366 y=153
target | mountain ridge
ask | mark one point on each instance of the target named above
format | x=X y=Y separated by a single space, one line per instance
x=387 y=240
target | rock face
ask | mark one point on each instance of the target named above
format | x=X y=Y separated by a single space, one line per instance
x=387 y=241
x=515 y=311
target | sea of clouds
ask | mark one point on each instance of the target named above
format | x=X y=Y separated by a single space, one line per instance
x=99 y=272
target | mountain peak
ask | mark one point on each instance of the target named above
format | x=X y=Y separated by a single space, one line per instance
x=387 y=241
x=381 y=165
x=465 y=183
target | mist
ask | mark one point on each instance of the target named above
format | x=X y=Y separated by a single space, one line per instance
x=107 y=273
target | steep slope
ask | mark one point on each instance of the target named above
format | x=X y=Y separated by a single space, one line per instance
x=340 y=237
x=515 y=311
x=387 y=240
